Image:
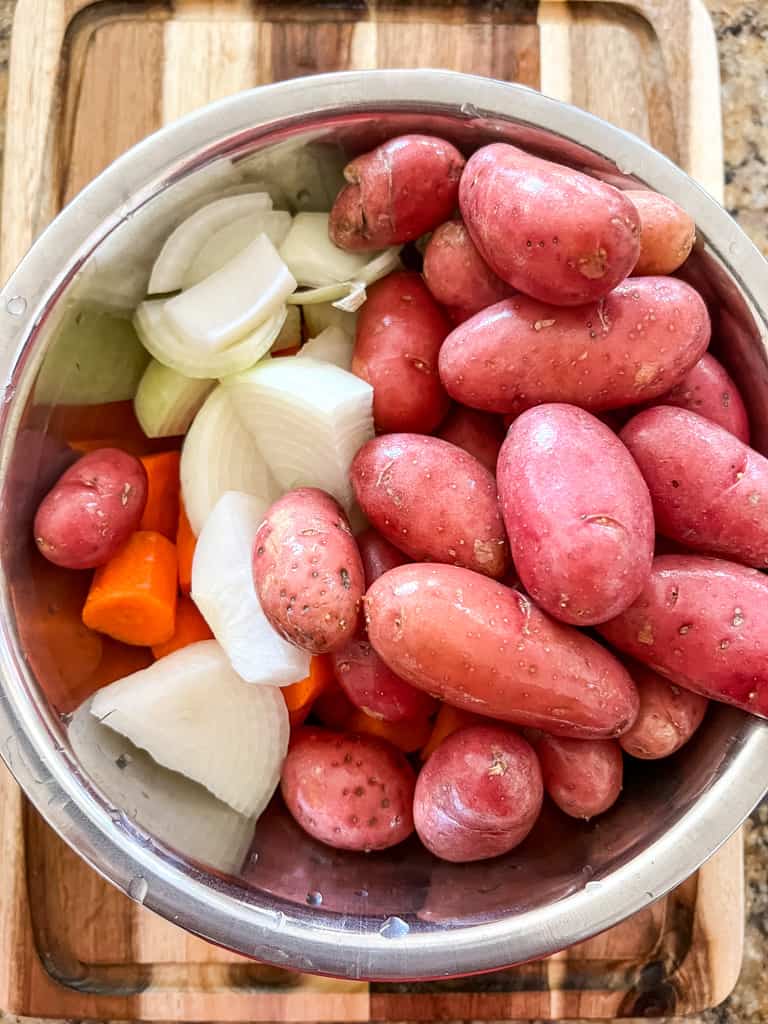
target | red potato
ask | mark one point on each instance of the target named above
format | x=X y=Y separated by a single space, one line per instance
x=478 y=645
x=349 y=791
x=456 y=273
x=400 y=329
x=583 y=777
x=378 y=555
x=397 y=192
x=668 y=715
x=703 y=624
x=577 y=512
x=433 y=500
x=92 y=509
x=549 y=231
x=374 y=688
x=479 y=433
x=709 y=490
x=626 y=349
x=307 y=571
x=708 y=390
x=667 y=233
x=478 y=795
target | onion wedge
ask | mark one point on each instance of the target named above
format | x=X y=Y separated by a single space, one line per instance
x=166 y=402
x=229 y=241
x=193 y=714
x=333 y=345
x=223 y=590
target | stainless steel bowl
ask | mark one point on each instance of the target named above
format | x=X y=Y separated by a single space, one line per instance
x=278 y=896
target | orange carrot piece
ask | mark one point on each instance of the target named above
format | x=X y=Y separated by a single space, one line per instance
x=161 y=513
x=185 y=548
x=408 y=736
x=190 y=628
x=300 y=696
x=133 y=597
x=448 y=720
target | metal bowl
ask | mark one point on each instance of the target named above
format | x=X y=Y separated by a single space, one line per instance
x=277 y=896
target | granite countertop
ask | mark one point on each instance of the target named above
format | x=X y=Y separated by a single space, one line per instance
x=742 y=35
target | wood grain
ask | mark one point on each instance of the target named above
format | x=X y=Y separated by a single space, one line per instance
x=107 y=73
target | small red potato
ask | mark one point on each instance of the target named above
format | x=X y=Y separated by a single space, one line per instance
x=92 y=509
x=708 y=390
x=350 y=791
x=667 y=233
x=433 y=500
x=709 y=490
x=374 y=688
x=549 y=231
x=478 y=795
x=668 y=715
x=378 y=555
x=307 y=571
x=400 y=329
x=456 y=273
x=479 y=433
x=703 y=624
x=577 y=512
x=397 y=192
x=583 y=777
x=628 y=348
x=478 y=645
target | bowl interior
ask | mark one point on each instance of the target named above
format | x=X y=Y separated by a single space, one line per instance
x=188 y=838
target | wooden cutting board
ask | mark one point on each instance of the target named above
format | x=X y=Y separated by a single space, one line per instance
x=87 y=80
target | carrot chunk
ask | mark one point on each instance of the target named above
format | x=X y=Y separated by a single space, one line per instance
x=161 y=513
x=300 y=696
x=408 y=735
x=448 y=720
x=190 y=628
x=133 y=597
x=185 y=548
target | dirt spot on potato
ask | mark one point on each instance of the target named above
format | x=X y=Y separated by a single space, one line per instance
x=593 y=264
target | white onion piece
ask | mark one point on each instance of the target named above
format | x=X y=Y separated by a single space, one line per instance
x=231 y=303
x=290 y=333
x=319 y=315
x=195 y=715
x=171 y=808
x=333 y=345
x=223 y=590
x=226 y=243
x=166 y=402
x=350 y=295
x=307 y=418
x=311 y=256
x=219 y=455
x=184 y=243
x=162 y=342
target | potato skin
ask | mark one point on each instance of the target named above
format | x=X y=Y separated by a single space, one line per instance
x=478 y=645
x=708 y=390
x=479 y=433
x=377 y=554
x=350 y=791
x=307 y=571
x=583 y=777
x=702 y=623
x=460 y=523
x=667 y=233
x=92 y=509
x=372 y=686
x=396 y=193
x=668 y=715
x=709 y=490
x=626 y=349
x=549 y=231
x=400 y=329
x=577 y=512
x=478 y=795
x=456 y=273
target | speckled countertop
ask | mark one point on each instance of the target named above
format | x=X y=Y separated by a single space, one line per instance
x=742 y=34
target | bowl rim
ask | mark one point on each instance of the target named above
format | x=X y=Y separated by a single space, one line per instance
x=27 y=743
